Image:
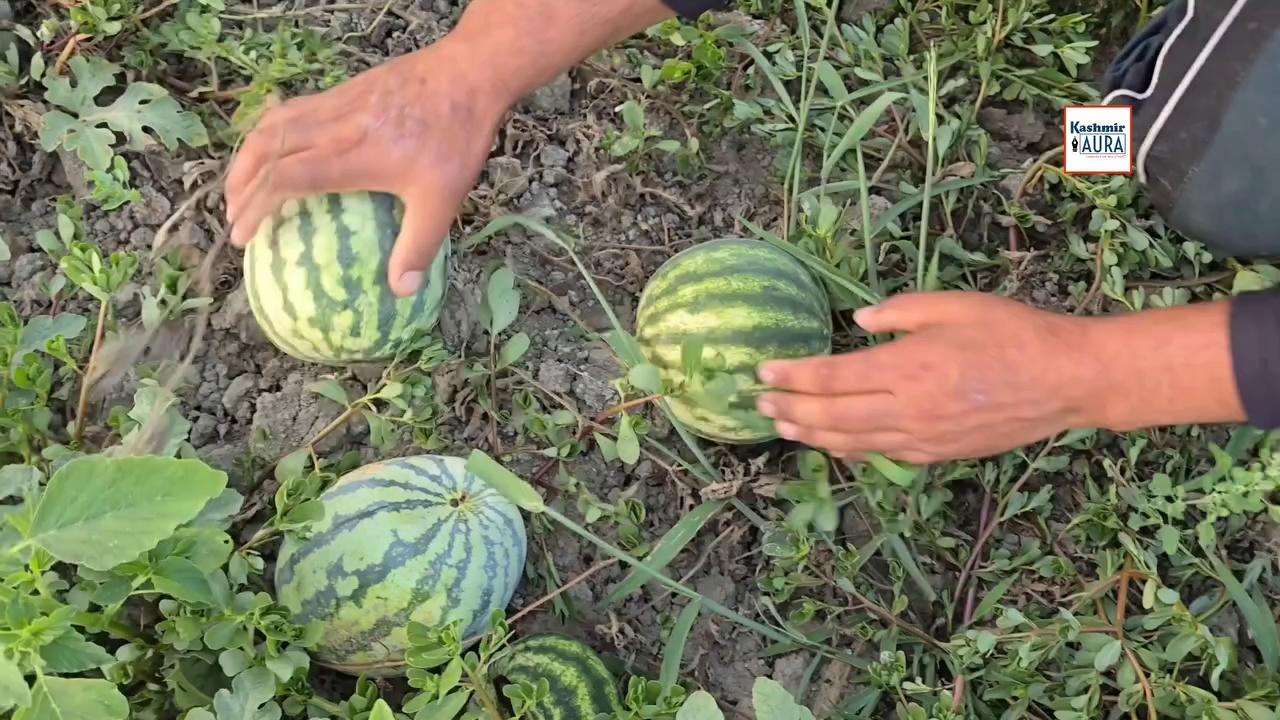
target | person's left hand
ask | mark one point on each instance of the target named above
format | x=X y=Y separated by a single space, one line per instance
x=976 y=375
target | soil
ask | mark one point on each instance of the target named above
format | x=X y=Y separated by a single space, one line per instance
x=245 y=399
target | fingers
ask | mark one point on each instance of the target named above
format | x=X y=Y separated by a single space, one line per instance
x=426 y=223
x=279 y=133
x=910 y=312
x=298 y=175
x=851 y=445
x=849 y=414
x=846 y=374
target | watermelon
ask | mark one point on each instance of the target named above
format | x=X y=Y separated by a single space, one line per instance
x=316 y=278
x=409 y=539
x=749 y=302
x=582 y=688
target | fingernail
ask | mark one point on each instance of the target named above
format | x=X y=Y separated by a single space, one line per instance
x=787 y=430
x=861 y=315
x=411 y=282
x=767 y=373
x=766 y=407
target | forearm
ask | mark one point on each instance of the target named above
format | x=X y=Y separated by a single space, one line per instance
x=523 y=44
x=1161 y=367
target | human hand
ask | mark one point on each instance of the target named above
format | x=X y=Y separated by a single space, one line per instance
x=419 y=126
x=976 y=375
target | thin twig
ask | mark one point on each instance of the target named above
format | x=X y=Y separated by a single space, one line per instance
x=82 y=408
x=986 y=534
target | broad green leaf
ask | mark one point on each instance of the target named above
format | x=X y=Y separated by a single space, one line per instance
x=504 y=481
x=19 y=480
x=667 y=548
x=771 y=700
x=503 y=300
x=332 y=390
x=13 y=687
x=101 y=511
x=184 y=580
x=646 y=377
x=79 y=124
x=628 y=444
x=55 y=698
x=40 y=329
x=700 y=706
x=446 y=708
x=1108 y=655
x=513 y=350
x=249 y=697
x=70 y=652
x=1256 y=710
x=381 y=711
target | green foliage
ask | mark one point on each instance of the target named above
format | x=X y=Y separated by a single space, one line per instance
x=81 y=125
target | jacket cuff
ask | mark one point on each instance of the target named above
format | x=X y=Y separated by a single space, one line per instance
x=1255 y=355
x=691 y=9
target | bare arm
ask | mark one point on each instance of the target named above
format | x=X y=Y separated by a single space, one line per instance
x=421 y=125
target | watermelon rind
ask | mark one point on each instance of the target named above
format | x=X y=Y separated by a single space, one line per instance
x=749 y=302
x=315 y=275
x=411 y=539
x=581 y=687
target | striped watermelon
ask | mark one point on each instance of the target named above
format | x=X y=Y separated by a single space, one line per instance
x=750 y=302
x=316 y=277
x=408 y=539
x=582 y=688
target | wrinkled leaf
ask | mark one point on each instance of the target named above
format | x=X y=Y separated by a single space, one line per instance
x=249 y=697
x=102 y=511
x=55 y=698
x=182 y=579
x=13 y=687
x=72 y=653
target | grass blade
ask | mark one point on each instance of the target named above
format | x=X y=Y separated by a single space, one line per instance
x=715 y=607
x=673 y=653
x=668 y=547
x=859 y=129
x=1257 y=615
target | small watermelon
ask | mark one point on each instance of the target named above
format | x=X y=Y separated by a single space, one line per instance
x=582 y=688
x=316 y=278
x=749 y=302
x=408 y=539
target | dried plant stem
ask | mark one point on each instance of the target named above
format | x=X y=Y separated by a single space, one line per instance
x=82 y=407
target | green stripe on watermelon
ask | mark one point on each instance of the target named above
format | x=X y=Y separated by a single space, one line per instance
x=316 y=278
x=409 y=539
x=748 y=302
x=581 y=686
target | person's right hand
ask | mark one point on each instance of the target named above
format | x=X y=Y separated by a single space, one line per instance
x=418 y=126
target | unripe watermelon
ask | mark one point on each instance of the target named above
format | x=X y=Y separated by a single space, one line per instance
x=408 y=539
x=316 y=278
x=582 y=688
x=749 y=302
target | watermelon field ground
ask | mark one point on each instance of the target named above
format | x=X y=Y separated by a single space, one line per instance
x=158 y=448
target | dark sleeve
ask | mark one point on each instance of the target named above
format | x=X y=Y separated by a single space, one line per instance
x=693 y=8
x=1255 y=353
